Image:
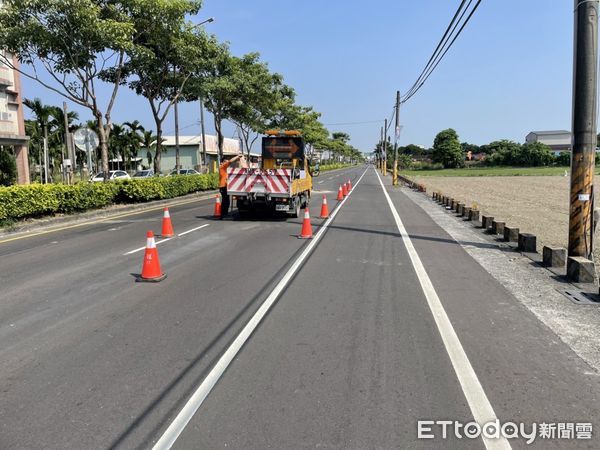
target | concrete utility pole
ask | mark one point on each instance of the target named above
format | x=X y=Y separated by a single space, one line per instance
x=203 y=133
x=381 y=151
x=585 y=62
x=68 y=146
x=385 y=148
x=396 y=132
x=177 y=160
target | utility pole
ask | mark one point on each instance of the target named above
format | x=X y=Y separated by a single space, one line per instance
x=177 y=160
x=385 y=149
x=585 y=60
x=68 y=145
x=380 y=161
x=396 y=133
x=203 y=133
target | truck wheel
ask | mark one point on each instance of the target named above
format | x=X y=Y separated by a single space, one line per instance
x=295 y=213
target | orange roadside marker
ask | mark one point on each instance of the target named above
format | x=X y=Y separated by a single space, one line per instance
x=217 y=212
x=324 y=208
x=306 y=232
x=167 y=226
x=340 y=195
x=151 y=271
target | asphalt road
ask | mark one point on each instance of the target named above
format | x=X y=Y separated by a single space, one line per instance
x=380 y=321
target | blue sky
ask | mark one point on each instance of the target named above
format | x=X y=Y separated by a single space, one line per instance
x=509 y=72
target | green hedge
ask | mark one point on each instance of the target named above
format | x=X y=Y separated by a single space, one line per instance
x=35 y=200
x=326 y=167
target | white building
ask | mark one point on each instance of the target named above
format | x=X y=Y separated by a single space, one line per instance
x=558 y=140
x=190 y=151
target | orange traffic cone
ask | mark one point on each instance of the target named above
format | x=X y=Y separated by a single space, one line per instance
x=344 y=189
x=167 y=226
x=151 y=266
x=217 y=212
x=340 y=196
x=324 y=208
x=306 y=232
x=349 y=186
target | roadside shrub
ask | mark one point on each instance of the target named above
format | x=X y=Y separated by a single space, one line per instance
x=564 y=159
x=333 y=166
x=35 y=200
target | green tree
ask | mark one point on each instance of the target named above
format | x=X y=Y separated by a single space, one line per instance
x=447 y=150
x=504 y=153
x=73 y=42
x=149 y=142
x=412 y=149
x=259 y=93
x=8 y=167
x=171 y=51
x=535 y=154
x=135 y=137
x=43 y=115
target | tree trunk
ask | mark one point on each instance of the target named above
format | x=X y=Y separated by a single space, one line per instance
x=219 y=137
x=158 y=150
x=46 y=156
x=103 y=135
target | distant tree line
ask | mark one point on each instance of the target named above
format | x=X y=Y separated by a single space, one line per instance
x=448 y=152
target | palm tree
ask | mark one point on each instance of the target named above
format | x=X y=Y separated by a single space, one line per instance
x=149 y=143
x=42 y=114
x=135 y=137
x=58 y=124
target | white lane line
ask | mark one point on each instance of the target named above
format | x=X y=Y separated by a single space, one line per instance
x=142 y=248
x=193 y=229
x=185 y=415
x=478 y=402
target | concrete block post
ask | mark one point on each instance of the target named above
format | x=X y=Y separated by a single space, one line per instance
x=554 y=256
x=580 y=269
x=466 y=211
x=511 y=234
x=474 y=215
x=498 y=227
x=527 y=243
x=486 y=222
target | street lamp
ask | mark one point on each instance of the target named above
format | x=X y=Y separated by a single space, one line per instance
x=176 y=111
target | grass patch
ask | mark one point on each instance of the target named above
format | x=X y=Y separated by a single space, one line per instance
x=490 y=172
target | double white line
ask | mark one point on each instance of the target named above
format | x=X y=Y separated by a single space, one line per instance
x=185 y=415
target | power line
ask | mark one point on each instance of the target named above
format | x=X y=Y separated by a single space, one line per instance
x=442 y=49
x=352 y=123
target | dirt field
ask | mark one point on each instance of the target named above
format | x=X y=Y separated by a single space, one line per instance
x=538 y=205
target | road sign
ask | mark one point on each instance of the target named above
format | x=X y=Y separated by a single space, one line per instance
x=86 y=140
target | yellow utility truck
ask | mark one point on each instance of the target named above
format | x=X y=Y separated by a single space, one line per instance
x=283 y=180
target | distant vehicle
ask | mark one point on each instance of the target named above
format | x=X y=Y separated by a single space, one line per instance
x=184 y=172
x=148 y=173
x=112 y=175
